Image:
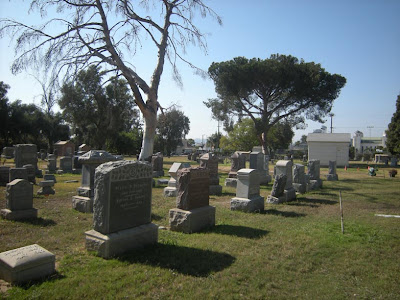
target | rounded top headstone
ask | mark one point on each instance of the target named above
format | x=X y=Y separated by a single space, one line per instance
x=96 y=157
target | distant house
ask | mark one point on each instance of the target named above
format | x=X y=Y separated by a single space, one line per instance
x=64 y=148
x=329 y=146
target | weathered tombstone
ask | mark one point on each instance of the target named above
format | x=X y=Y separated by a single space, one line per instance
x=157 y=161
x=393 y=162
x=299 y=179
x=50 y=177
x=25 y=154
x=209 y=161
x=18 y=173
x=332 y=176
x=19 y=201
x=285 y=167
x=257 y=162
x=195 y=156
x=26 y=264
x=46 y=187
x=238 y=162
x=314 y=173
x=8 y=152
x=278 y=190
x=52 y=164
x=83 y=202
x=30 y=169
x=248 y=197
x=4 y=175
x=66 y=164
x=122 y=208
x=193 y=212
x=170 y=190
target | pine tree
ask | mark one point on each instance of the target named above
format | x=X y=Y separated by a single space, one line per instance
x=393 y=133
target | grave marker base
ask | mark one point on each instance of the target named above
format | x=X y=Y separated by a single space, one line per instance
x=276 y=200
x=15 y=215
x=113 y=244
x=82 y=204
x=248 y=205
x=332 y=177
x=300 y=188
x=188 y=221
x=170 y=192
x=231 y=182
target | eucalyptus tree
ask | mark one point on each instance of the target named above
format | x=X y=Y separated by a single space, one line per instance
x=272 y=90
x=109 y=33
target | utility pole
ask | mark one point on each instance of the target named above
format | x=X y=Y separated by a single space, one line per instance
x=331 y=115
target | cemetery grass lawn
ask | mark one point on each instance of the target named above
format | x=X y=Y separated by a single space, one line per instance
x=293 y=250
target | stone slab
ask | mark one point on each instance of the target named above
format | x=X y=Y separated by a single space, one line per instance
x=113 y=244
x=255 y=204
x=231 y=182
x=46 y=183
x=315 y=184
x=290 y=194
x=16 y=215
x=26 y=264
x=300 y=188
x=162 y=181
x=276 y=200
x=189 y=221
x=170 y=192
x=46 y=190
x=82 y=204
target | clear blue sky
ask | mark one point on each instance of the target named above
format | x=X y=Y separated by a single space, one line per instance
x=358 y=39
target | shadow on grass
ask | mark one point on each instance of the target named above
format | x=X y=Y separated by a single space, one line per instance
x=302 y=204
x=239 y=231
x=184 y=260
x=28 y=284
x=155 y=217
x=286 y=214
x=39 y=222
x=318 y=201
x=228 y=194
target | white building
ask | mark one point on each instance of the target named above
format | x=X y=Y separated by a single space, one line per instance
x=361 y=143
x=329 y=146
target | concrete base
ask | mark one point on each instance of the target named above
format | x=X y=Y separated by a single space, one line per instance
x=276 y=200
x=26 y=264
x=109 y=245
x=15 y=215
x=82 y=204
x=215 y=190
x=231 y=182
x=170 y=192
x=46 y=190
x=290 y=194
x=188 y=221
x=332 y=177
x=300 y=188
x=255 y=204
x=84 y=191
x=315 y=184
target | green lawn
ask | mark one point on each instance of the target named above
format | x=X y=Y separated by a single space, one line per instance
x=293 y=250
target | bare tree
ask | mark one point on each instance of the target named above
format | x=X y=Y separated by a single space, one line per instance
x=102 y=32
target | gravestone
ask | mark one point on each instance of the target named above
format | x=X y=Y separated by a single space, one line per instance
x=170 y=190
x=51 y=164
x=157 y=161
x=278 y=190
x=83 y=202
x=238 y=162
x=46 y=187
x=25 y=154
x=257 y=162
x=19 y=201
x=18 y=173
x=299 y=178
x=332 y=176
x=4 y=175
x=50 y=177
x=285 y=167
x=122 y=209
x=209 y=161
x=393 y=162
x=30 y=169
x=314 y=173
x=26 y=264
x=193 y=212
x=66 y=164
x=8 y=152
x=248 y=197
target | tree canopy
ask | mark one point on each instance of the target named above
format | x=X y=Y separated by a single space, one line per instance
x=271 y=90
x=109 y=33
x=393 y=132
x=97 y=114
x=172 y=127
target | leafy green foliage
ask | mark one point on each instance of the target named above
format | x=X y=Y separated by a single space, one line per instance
x=243 y=137
x=97 y=114
x=172 y=126
x=271 y=90
x=393 y=132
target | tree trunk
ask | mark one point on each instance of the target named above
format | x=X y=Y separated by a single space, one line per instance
x=264 y=143
x=150 y=123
